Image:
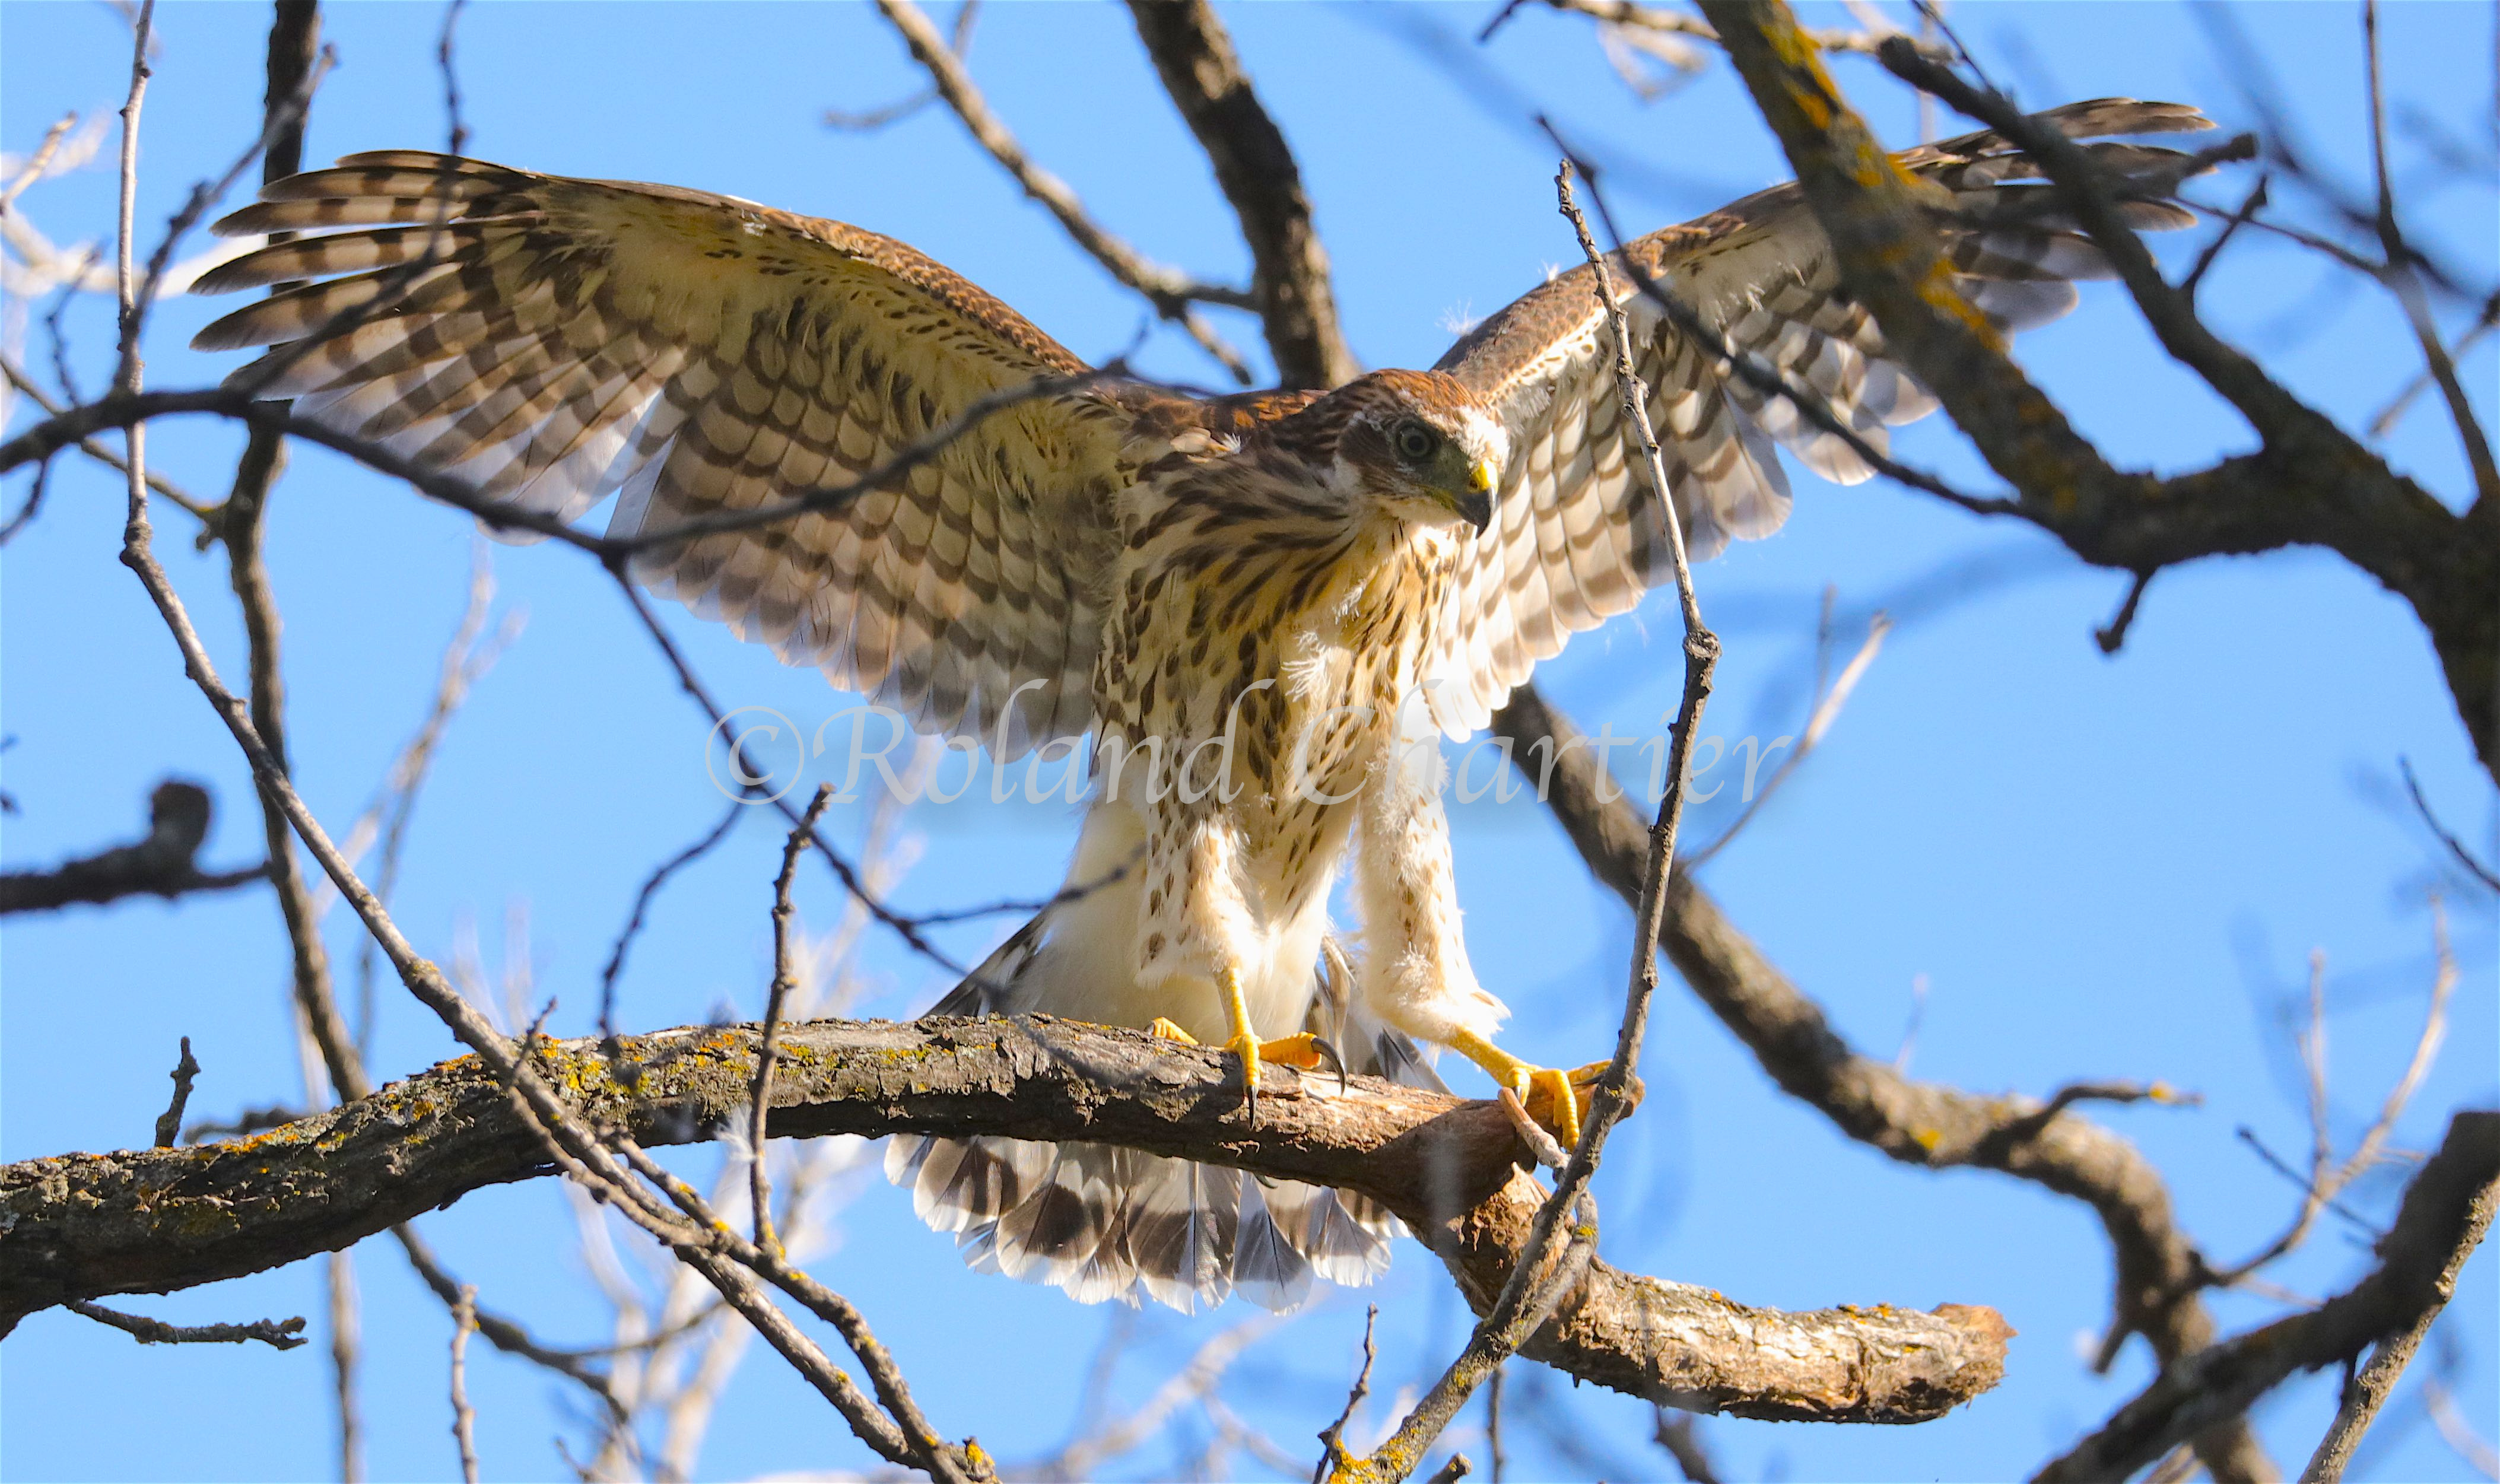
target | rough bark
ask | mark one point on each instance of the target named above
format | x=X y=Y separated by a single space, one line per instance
x=80 y=1226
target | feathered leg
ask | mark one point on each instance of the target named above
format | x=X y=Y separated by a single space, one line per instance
x=1198 y=925
x=1416 y=973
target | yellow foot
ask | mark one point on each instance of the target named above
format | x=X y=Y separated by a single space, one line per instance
x=1557 y=1099
x=1305 y=1050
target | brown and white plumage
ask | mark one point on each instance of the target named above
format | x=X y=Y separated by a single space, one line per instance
x=1333 y=579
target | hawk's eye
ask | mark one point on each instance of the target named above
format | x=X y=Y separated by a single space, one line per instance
x=1415 y=441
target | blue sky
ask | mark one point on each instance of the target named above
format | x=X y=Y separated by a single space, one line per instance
x=2099 y=866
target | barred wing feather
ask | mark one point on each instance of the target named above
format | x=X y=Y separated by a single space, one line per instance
x=554 y=340
x=1578 y=536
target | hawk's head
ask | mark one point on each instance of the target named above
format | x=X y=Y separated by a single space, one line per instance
x=1416 y=442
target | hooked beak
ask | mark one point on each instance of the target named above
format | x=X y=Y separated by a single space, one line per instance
x=1474 y=500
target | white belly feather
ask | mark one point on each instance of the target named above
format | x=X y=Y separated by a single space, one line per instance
x=1087 y=966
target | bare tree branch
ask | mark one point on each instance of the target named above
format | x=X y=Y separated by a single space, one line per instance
x=2311 y=484
x=1331 y=1447
x=2455 y=846
x=1174 y=294
x=1680 y=1434
x=464 y=1421
x=80 y=1226
x=1667 y=22
x=1530 y=1290
x=784 y=980
x=1919 y=1123
x=2445 y=1210
x=346 y=1334
x=1255 y=168
x=165 y=864
x=97 y=452
x=2327 y=1178
x=552 y=1130
x=169 y=1123
x=278 y=1334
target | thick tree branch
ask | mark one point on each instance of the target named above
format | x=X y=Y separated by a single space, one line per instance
x=2445 y=1210
x=164 y=864
x=1256 y=170
x=1918 y=1123
x=80 y=1226
x=2310 y=483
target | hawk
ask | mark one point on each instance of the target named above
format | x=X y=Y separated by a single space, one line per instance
x=1323 y=583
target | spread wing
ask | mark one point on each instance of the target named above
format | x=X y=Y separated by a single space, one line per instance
x=554 y=340
x=1578 y=536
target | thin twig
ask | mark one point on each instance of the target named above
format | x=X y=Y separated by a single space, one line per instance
x=2328 y=1178
x=2111 y=635
x=127 y=368
x=2455 y=1432
x=38 y=162
x=33 y=506
x=2393 y=412
x=2455 y=846
x=339 y=1277
x=1529 y=1293
x=1173 y=293
x=1331 y=1449
x=455 y=130
x=2300 y=1180
x=279 y=1334
x=169 y=1123
x=870 y=121
x=2249 y=205
x=651 y=884
x=759 y=1172
x=1493 y=1425
x=1820 y=715
x=2403 y=282
x=463 y=1422
x=501 y=1332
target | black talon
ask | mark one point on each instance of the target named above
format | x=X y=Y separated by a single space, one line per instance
x=1320 y=1044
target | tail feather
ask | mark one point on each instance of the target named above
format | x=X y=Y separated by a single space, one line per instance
x=1053 y=1234
x=1183 y=1221
x=1105 y=1222
x=1329 y=1229
x=1267 y=1268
